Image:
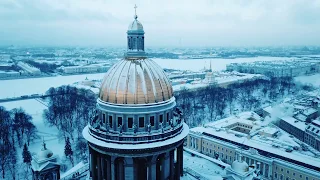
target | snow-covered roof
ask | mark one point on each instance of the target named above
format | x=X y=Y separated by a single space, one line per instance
x=39 y=167
x=268 y=109
x=269 y=130
x=256 y=141
x=309 y=111
x=74 y=169
x=202 y=167
x=301 y=117
x=316 y=122
x=294 y=122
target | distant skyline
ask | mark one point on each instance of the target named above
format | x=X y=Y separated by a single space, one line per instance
x=175 y=23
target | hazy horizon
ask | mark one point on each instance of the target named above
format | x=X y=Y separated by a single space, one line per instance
x=187 y=23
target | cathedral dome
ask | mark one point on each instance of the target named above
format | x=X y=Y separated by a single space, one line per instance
x=135 y=25
x=139 y=81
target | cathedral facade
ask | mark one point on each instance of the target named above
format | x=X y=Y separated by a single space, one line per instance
x=137 y=132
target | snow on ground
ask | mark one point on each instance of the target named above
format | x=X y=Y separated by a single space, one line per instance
x=217 y=64
x=35 y=109
x=19 y=87
x=202 y=166
x=312 y=79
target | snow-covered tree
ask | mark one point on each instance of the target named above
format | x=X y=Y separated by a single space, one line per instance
x=69 y=110
x=26 y=155
x=13 y=163
x=23 y=126
x=68 y=150
x=6 y=140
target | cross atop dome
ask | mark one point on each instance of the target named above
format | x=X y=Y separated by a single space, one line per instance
x=135 y=11
x=44 y=144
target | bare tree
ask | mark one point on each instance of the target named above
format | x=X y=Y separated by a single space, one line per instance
x=69 y=110
x=13 y=162
x=6 y=143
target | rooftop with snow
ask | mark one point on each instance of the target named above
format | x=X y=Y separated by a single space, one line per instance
x=249 y=130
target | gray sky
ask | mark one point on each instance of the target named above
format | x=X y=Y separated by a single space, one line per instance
x=166 y=22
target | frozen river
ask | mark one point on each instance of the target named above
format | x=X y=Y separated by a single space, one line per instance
x=19 y=87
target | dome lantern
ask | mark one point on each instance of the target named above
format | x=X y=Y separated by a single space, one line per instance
x=135 y=39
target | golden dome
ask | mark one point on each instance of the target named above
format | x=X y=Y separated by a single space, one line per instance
x=139 y=81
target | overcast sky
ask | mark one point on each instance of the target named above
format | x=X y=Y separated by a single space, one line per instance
x=166 y=22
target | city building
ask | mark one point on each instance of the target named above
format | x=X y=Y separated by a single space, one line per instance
x=260 y=143
x=277 y=68
x=221 y=79
x=312 y=134
x=45 y=165
x=137 y=132
x=84 y=69
x=5 y=66
x=28 y=68
x=10 y=74
x=299 y=117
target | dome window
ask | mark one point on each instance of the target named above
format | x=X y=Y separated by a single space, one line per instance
x=104 y=118
x=119 y=121
x=110 y=121
x=161 y=118
x=130 y=122
x=152 y=120
x=141 y=122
